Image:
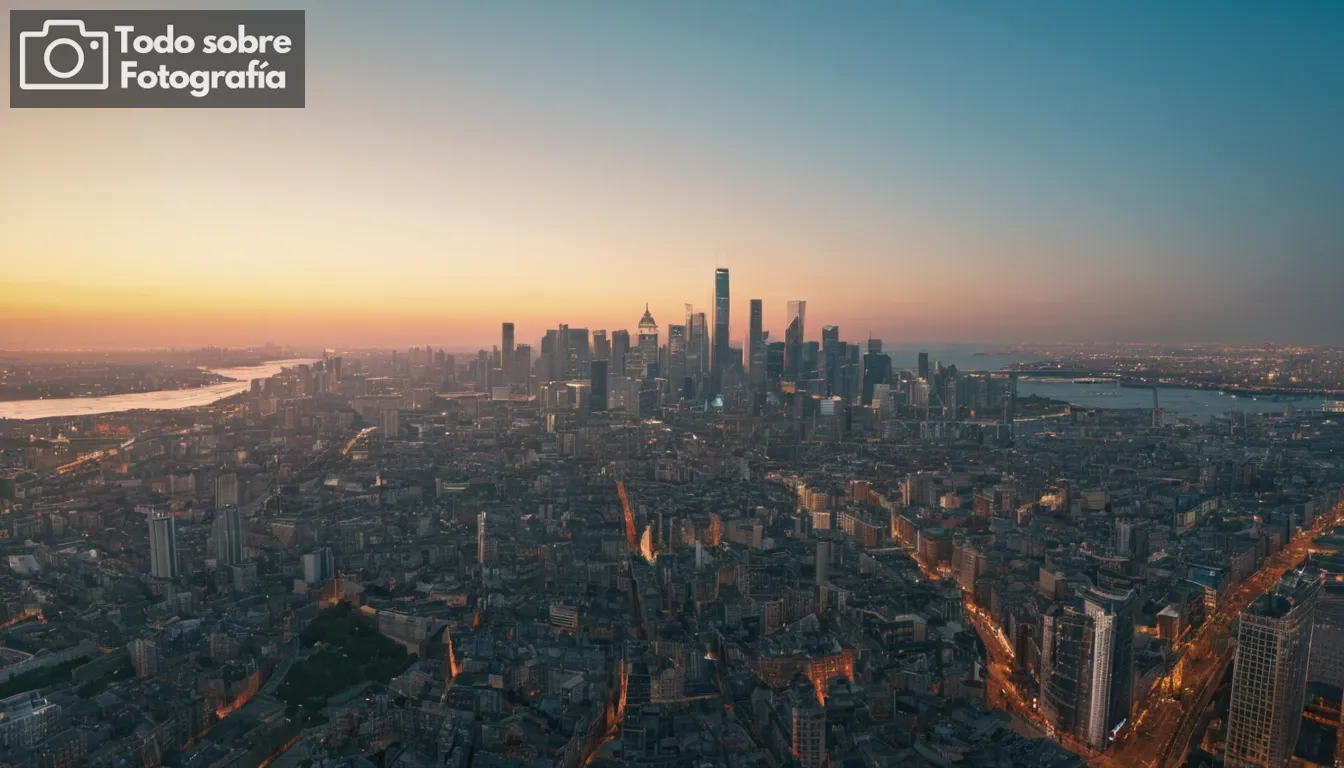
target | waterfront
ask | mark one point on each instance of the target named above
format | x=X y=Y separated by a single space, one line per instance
x=166 y=400
x=1198 y=404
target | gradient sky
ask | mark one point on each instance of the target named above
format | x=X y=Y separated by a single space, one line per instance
x=924 y=172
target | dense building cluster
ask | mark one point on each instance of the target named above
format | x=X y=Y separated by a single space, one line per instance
x=663 y=553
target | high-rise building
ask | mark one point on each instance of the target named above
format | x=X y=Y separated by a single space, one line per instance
x=506 y=353
x=620 y=351
x=228 y=536
x=876 y=370
x=145 y=656
x=721 y=325
x=601 y=346
x=923 y=372
x=1087 y=665
x=319 y=566
x=794 y=329
x=1327 y=638
x=226 y=490
x=522 y=361
x=26 y=720
x=1269 y=676
x=676 y=355
x=774 y=363
x=597 y=386
x=808 y=728
x=874 y=345
x=648 y=346
x=756 y=345
x=163 y=547
x=698 y=344
x=480 y=537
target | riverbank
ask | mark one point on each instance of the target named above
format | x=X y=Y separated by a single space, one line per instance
x=238 y=380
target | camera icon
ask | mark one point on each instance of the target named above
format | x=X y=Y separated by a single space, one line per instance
x=45 y=58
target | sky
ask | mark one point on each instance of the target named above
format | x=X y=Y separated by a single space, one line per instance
x=919 y=172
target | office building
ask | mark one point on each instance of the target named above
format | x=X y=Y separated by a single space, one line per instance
x=601 y=345
x=923 y=371
x=163 y=547
x=480 y=538
x=26 y=720
x=676 y=355
x=506 y=353
x=1087 y=666
x=876 y=370
x=756 y=345
x=794 y=329
x=648 y=346
x=1327 y=638
x=1269 y=674
x=228 y=536
x=774 y=363
x=144 y=656
x=319 y=567
x=620 y=351
x=226 y=490
x=721 y=325
x=597 y=385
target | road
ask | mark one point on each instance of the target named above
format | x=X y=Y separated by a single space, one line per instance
x=1162 y=731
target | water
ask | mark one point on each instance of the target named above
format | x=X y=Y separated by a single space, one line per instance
x=1197 y=404
x=167 y=400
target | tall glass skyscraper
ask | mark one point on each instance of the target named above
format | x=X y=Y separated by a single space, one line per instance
x=720 y=357
x=1269 y=679
x=1087 y=665
x=793 y=340
x=163 y=547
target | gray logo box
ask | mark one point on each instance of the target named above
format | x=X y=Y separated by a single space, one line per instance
x=211 y=59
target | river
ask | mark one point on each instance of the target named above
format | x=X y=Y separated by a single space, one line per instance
x=1197 y=404
x=166 y=400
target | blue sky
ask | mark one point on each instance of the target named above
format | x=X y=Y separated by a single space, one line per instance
x=923 y=171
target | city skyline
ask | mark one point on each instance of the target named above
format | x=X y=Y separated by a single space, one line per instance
x=1076 y=174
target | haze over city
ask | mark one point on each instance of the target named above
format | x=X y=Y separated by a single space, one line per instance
x=1144 y=172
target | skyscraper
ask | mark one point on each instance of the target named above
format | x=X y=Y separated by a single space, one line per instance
x=480 y=537
x=832 y=352
x=676 y=355
x=1269 y=676
x=620 y=350
x=756 y=345
x=226 y=490
x=228 y=536
x=601 y=347
x=506 y=353
x=923 y=372
x=597 y=386
x=163 y=547
x=793 y=340
x=1087 y=665
x=720 y=361
x=648 y=345
x=876 y=370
